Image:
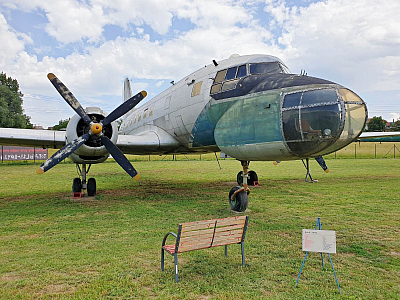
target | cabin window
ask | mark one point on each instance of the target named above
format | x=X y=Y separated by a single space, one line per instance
x=151 y=111
x=140 y=117
x=145 y=113
x=196 y=89
x=133 y=121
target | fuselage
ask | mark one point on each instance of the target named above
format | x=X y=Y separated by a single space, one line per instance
x=252 y=108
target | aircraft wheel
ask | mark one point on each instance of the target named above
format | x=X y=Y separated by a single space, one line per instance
x=250 y=180
x=240 y=202
x=253 y=178
x=77 y=185
x=91 y=187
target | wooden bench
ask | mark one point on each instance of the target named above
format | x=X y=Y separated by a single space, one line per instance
x=206 y=234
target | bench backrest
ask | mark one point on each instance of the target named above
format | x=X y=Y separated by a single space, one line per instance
x=211 y=233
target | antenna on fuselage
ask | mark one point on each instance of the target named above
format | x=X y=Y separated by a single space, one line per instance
x=215 y=62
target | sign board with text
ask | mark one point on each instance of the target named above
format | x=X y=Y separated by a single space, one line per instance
x=319 y=240
x=8 y=153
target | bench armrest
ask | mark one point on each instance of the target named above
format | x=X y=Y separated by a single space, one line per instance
x=165 y=238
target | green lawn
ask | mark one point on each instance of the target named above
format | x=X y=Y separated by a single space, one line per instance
x=53 y=246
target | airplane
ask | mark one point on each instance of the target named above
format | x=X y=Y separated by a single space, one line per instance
x=250 y=107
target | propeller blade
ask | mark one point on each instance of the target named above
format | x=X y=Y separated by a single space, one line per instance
x=120 y=157
x=68 y=97
x=63 y=153
x=124 y=107
x=321 y=161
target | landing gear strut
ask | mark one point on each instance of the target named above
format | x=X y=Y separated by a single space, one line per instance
x=238 y=196
x=80 y=183
x=308 y=174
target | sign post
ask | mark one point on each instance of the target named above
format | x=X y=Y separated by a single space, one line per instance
x=323 y=241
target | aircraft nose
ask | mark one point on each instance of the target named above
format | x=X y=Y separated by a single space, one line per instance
x=319 y=121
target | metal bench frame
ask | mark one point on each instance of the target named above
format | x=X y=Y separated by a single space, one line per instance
x=174 y=249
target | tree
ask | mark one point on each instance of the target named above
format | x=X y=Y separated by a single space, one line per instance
x=11 y=113
x=61 y=124
x=377 y=124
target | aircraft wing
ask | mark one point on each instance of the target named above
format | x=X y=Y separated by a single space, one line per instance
x=391 y=136
x=32 y=138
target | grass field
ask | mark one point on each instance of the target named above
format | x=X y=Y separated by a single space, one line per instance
x=55 y=247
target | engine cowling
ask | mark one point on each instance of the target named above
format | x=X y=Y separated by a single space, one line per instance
x=92 y=151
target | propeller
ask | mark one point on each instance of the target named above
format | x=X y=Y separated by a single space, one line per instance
x=96 y=129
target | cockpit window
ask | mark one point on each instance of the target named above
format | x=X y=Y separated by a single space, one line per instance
x=292 y=100
x=318 y=96
x=265 y=68
x=241 y=72
x=220 y=76
x=227 y=79
x=231 y=73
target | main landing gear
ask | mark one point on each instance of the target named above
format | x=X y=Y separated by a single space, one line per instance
x=238 y=196
x=80 y=184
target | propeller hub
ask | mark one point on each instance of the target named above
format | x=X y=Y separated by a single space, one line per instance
x=96 y=128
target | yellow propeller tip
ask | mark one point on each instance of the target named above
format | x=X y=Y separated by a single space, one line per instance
x=137 y=177
x=51 y=76
x=327 y=171
x=39 y=171
x=275 y=163
x=144 y=93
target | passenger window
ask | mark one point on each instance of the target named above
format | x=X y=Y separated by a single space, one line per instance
x=140 y=117
x=196 y=89
x=241 y=71
x=151 y=111
x=220 y=76
x=231 y=73
x=134 y=121
x=145 y=113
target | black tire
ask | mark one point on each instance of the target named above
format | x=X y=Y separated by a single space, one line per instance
x=91 y=187
x=240 y=202
x=252 y=176
x=77 y=185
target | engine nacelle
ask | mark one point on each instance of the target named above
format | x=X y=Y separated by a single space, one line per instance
x=93 y=150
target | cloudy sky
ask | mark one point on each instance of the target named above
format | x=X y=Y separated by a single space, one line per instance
x=92 y=45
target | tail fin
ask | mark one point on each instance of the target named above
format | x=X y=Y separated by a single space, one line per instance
x=127 y=89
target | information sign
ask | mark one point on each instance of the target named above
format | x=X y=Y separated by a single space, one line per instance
x=319 y=240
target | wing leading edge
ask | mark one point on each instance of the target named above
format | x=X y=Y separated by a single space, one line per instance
x=32 y=138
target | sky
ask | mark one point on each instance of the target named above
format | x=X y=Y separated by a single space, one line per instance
x=93 y=45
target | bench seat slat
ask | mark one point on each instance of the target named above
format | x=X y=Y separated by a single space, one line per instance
x=226 y=243
x=196 y=238
x=235 y=233
x=226 y=228
x=230 y=221
x=228 y=237
x=198 y=225
x=194 y=247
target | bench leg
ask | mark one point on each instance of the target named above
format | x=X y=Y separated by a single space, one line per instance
x=176 y=266
x=226 y=251
x=162 y=259
x=243 y=262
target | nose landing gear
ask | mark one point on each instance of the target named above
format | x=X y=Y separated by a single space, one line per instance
x=79 y=185
x=238 y=195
